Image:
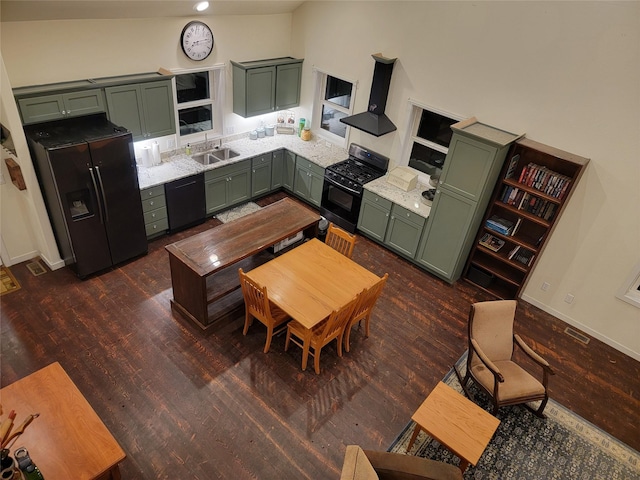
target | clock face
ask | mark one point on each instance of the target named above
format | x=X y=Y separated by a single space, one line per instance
x=196 y=40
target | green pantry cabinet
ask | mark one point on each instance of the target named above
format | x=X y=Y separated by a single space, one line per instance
x=441 y=243
x=265 y=86
x=141 y=103
x=475 y=157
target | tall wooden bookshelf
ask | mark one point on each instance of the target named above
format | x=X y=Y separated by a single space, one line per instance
x=532 y=191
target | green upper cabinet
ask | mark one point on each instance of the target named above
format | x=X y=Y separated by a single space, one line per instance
x=265 y=86
x=146 y=109
x=45 y=108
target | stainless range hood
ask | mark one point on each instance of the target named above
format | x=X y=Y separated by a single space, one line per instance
x=374 y=121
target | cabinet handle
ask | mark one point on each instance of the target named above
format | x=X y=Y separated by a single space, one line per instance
x=153 y=215
x=408 y=215
x=64 y=112
x=151 y=202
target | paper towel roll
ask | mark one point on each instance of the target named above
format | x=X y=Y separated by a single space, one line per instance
x=155 y=148
x=147 y=159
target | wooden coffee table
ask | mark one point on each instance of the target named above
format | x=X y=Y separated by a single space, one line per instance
x=68 y=439
x=456 y=422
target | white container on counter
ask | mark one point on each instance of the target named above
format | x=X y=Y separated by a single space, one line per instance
x=269 y=130
x=253 y=135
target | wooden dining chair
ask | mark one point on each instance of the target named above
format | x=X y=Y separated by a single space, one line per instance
x=330 y=329
x=340 y=240
x=257 y=305
x=363 y=309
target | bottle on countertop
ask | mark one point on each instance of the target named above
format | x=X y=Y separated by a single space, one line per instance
x=188 y=149
x=301 y=127
x=29 y=469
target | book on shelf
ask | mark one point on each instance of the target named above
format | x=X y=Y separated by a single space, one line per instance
x=524 y=256
x=513 y=163
x=516 y=226
x=513 y=251
x=492 y=243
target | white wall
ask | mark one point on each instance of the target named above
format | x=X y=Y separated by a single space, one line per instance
x=566 y=73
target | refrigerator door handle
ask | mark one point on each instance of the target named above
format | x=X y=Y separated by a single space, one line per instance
x=95 y=187
x=104 y=198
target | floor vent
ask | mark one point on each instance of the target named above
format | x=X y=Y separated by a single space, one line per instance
x=577 y=335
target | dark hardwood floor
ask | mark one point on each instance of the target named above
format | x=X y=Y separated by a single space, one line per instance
x=188 y=405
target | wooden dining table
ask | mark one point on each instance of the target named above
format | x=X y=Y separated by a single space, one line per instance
x=311 y=281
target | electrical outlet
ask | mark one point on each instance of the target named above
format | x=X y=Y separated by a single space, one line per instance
x=569 y=298
x=171 y=143
x=545 y=286
x=231 y=130
x=327 y=144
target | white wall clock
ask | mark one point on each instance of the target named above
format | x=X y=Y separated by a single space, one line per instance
x=196 y=40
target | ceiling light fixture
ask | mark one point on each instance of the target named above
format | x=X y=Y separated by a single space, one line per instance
x=201 y=6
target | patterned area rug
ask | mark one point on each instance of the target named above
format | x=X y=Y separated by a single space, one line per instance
x=8 y=282
x=238 y=212
x=564 y=446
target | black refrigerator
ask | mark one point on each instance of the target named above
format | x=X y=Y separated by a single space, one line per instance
x=87 y=173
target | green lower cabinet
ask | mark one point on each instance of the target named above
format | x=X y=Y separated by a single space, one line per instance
x=404 y=231
x=154 y=207
x=308 y=182
x=227 y=186
x=374 y=215
x=261 y=175
x=288 y=169
x=277 y=168
x=450 y=225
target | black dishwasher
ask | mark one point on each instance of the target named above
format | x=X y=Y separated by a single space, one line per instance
x=185 y=201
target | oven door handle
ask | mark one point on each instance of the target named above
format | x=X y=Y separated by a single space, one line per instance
x=339 y=185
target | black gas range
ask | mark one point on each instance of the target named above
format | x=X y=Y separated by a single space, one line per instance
x=343 y=185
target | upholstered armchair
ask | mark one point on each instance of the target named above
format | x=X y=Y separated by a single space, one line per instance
x=489 y=360
x=362 y=464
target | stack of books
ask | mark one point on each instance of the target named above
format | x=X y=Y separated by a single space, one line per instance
x=492 y=243
x=500 y=225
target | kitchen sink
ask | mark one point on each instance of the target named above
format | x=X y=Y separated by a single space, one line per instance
x=214 y=156
x=205 y=158
x=224 y=153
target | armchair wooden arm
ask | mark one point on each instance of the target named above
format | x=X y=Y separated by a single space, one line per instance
x=488 y=363
x=532 y=354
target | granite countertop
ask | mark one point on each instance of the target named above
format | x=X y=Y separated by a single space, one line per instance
x=179 y=165
x=411 y=200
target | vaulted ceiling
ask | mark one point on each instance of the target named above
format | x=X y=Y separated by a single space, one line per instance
x=28 y=10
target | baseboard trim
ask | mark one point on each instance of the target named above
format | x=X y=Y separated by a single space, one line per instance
x=584 y=328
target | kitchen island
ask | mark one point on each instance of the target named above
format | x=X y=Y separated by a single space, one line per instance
x=204 y=267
